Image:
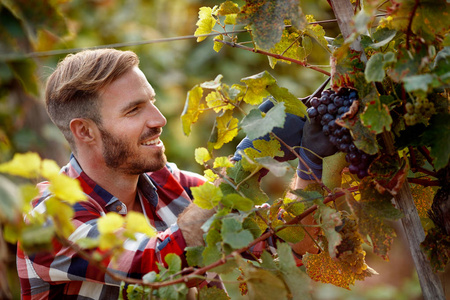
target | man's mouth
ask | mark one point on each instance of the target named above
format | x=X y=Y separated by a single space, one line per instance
x=154 y=141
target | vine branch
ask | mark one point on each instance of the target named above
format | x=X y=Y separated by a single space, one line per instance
x=277 y=56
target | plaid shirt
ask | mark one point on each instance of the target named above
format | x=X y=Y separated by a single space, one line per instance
x=62 y=274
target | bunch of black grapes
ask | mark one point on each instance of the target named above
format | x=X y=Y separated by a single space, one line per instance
x=326 y=109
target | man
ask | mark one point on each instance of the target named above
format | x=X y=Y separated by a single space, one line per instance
x=105 y=107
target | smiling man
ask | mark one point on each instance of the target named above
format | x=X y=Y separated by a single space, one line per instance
x=105 y=107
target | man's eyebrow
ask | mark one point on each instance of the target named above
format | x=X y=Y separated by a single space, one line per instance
x=132 y=104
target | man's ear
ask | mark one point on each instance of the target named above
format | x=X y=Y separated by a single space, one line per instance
x=83 y=130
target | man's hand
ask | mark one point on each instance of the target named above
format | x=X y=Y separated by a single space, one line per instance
x=190 y=222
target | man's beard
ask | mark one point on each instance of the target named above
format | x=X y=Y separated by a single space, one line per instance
x=119 y=155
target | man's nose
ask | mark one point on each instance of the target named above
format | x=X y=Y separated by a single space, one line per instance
x=155 y=117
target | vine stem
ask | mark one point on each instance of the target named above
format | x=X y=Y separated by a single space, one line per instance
x=277 y=56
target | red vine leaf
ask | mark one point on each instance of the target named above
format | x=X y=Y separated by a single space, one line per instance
x=389 y=174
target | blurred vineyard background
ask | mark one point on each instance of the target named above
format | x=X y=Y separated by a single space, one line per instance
x=35 y=35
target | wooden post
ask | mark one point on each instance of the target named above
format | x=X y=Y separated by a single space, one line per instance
x=429 y=281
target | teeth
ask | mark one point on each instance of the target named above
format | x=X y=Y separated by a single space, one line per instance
x=151 y=142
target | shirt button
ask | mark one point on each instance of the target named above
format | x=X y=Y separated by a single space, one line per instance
x=118 y=208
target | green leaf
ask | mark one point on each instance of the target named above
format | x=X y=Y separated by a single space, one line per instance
x=278 y=169
x=421 y=82
x=257 y=87
x=207 y=195
x=296 y=280
x=375 y=69
x=293 y=104
x=261 y=283
x=255 y=126
x=234 y=235
x=437 y=136
x=192 y=109
x=329 y=219
x=333 y=166
x=383 y=36
x=236 y=201
x=35 y=238
x=194 y=256
x=376 y=116
x=266 y=19
x=213 y=293
x=205 y=23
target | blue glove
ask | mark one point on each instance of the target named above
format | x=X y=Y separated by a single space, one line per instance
x=291 y=134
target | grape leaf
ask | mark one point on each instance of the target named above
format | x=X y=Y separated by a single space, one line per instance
x=315 y=31
x=218 y=45
x=408 y=62
x=278 y=169
x=206 y=196
x=437 y=137
x=36 y=238
x=423 y=82
x=347 y=70
x=376 y=115
x=192 y=109
x=363 y=138
x=110 y=223
x=236 y=201
x=376 y=64
x=295 y=279
x=67 y=189
x=227 y=129
x=228 y=7
x=222 y=162
x=374 y=211
x=321 y=267
x=430 y=18
x=293 y=104
x=382 y=36
x=250 y=187
x=332 y=171
x=26 y=165
x=194 y=256
x=201 y=155
x=388 y=174
x=441 y=64
x=288 y=46
x=205 y=22
x=256 y=87
x=234 y=235
x=261 y=283
x=62 y=213
x=329 y=219
x=137 y=222
x=213 y=293
x=255 y=125
x=266 y=19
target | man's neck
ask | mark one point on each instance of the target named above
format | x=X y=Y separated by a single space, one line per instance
x=120 y=185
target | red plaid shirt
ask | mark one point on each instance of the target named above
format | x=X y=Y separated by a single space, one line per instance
x=64 y=274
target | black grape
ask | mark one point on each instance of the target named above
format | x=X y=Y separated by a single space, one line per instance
x=325 y=110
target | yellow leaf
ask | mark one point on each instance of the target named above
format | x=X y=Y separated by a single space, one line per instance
x=110 y=223
x=201 y=155
x=49 y=168
x=205 y=23
x=108 y=241
x=25 y=165
x=222 y=162
x=207 y=195
x=62 y=213
x=192 y=109
x=136 y=222
x=65 y=188
x=227 y=127
x=210 y=175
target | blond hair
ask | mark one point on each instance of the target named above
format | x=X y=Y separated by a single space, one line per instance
x=72 y=90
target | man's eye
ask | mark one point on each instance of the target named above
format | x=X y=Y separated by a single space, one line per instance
x=132 y=111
